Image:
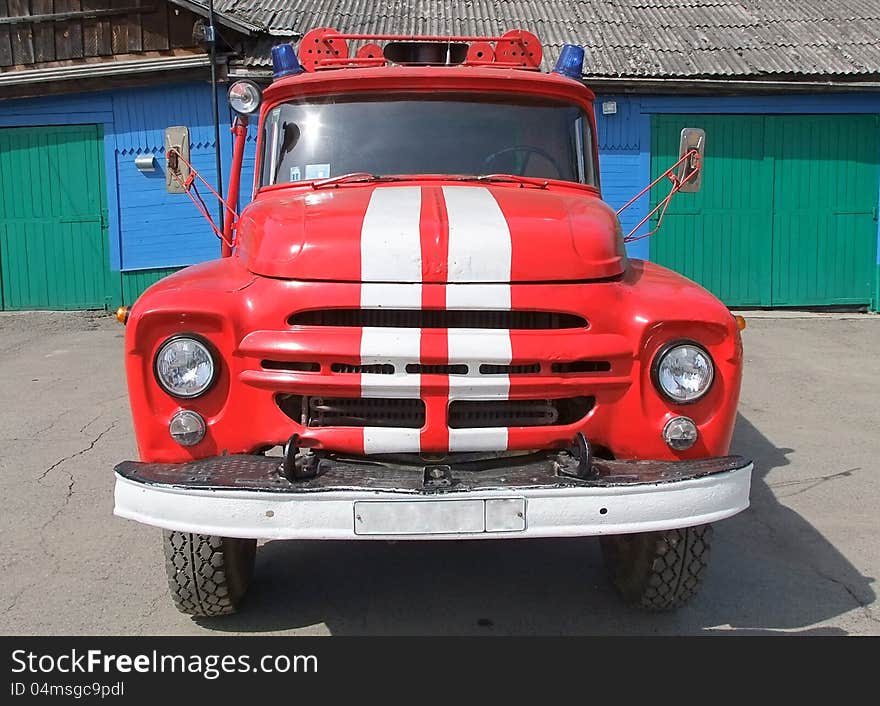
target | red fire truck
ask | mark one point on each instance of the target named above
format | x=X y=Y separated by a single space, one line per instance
x=425 y=326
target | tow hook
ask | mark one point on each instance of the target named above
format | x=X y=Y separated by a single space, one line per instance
x=295 y=467
x=438 y=477
x=581 y=454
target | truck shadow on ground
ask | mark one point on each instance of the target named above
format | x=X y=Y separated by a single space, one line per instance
x=771 y=571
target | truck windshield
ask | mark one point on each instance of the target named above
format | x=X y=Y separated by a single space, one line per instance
x=452 y=134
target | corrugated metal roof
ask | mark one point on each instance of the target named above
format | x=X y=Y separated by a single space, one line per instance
x=634 y=38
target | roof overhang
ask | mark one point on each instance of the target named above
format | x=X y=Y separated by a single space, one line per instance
x=200 y=7
x=715 y=86
x=108 y=68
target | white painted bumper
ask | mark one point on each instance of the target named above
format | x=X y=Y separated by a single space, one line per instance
x=549 y=512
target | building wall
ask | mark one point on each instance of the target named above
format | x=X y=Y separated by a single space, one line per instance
x=625 y=140
x=150 y=231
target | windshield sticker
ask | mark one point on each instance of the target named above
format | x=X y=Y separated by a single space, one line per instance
x=317 y=171
x=295 y=174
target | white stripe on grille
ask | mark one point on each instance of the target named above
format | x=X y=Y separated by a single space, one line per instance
x=397 y=346
x=474 y=347
x=480 y=250
x=495 y=297
x=491 y=439
x=391 y=254
x=380 y=295
x=379 y=440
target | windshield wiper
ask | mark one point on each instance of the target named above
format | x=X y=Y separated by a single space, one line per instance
x=352 y=178
x=367 y=177
x=509 y=178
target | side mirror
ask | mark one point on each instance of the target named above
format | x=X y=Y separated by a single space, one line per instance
x=177 y=171
x=690 y=154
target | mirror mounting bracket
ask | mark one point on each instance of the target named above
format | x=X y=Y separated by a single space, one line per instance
x=686 y=175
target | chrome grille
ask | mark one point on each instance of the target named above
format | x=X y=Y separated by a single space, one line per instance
x=353 y=411
x=478 y=414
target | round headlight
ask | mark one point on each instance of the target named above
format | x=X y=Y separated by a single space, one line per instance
x=684 y=372
x=184 y=367
x=244 y=97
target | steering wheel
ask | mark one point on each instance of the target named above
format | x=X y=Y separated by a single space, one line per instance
x=528 y=149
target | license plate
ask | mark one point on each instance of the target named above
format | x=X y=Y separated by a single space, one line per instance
x=426 y=517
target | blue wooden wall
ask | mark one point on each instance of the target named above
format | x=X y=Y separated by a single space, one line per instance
x=148 y=227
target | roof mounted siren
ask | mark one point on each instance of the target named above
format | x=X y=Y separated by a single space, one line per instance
x=570 y=62
x=285 y=61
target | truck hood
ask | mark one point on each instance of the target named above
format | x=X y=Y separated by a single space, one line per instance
x=431 y=233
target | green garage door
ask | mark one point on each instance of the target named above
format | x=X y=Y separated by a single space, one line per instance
x=53 y=214
x=788 y=211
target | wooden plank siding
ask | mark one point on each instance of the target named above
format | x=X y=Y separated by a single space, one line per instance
x=5 y=38
x=63 y=31
x=20 y=36
x=43 y=34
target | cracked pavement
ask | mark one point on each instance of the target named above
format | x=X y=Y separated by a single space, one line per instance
x=802 y=559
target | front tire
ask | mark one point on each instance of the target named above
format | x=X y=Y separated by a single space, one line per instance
x=208 y=575
x=658 y=571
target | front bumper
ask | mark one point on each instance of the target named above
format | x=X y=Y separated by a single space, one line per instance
x=526 y=496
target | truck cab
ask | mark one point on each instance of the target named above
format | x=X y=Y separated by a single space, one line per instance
x=425 y=326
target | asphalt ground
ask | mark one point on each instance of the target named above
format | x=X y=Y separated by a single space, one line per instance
x=802 y=559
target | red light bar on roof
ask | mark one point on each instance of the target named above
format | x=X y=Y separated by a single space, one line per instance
x=326 y=48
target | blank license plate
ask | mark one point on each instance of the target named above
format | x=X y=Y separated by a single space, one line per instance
x=390 y=517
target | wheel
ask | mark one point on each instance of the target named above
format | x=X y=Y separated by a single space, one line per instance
x=207 y=575
x=658 y=571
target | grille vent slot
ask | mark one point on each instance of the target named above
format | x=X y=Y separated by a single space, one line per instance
x=353 y=411
x=473 y=414
x=532 y=369
x=293 y=367
x=437 y=319
x=374 y=369
x=419 y=369
x=582 y=366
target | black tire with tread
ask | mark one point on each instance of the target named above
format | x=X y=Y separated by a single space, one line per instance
x=207 y=575
x=658 y=571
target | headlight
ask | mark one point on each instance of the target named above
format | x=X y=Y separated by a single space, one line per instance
x=680 y=433
x=683 y=372
x=184 y=367
x=187 y=428
x=244 y=97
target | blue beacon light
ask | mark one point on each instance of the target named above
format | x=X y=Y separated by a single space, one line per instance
x=570 y=62
x=284 y=61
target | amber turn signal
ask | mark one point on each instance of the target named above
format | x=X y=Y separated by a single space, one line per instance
x=122 y=315
x=740 y=322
